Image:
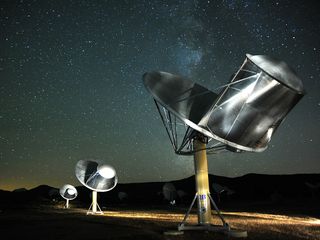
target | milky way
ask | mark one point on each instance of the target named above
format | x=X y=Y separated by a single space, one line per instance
x=71 y=83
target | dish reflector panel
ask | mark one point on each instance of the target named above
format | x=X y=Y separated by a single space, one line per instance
x=243 y=116
x=106 y=171
x=187 y=100
x=251 y=107
x=96 y=176
x=68 y=192
x=278 y=70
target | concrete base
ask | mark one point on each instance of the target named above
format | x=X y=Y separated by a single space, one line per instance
x=214 y=228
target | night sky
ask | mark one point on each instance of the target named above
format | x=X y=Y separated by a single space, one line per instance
x=71 y=83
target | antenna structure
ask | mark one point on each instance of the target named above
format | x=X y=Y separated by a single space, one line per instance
x=68 y=192
x=242 y=117
x=98 y=177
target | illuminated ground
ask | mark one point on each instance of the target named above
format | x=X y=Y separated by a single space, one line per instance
x=47 y=222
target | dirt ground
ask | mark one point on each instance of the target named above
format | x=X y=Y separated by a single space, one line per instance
x=55 y=222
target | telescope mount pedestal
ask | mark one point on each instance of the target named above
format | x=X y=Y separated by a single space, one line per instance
x=203 y=196
x=94 y=207
x=67 y=204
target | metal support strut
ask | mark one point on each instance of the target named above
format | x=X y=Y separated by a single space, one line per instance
x=203 y=196
x=94 y=205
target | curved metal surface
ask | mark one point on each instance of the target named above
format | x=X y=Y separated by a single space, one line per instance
x=68 y=192
x=245 y=114
x=185 y=99
x=252 y=106
x=87 y=172
x=279 y=70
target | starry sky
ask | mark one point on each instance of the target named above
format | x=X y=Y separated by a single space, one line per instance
x=71 y=83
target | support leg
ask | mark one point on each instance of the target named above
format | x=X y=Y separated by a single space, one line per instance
x=94 y=205
x=181 y=225
x=218 y=212
x=204 y=198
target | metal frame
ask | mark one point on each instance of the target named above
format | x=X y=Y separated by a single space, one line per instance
x=192 y=142
x=183 y=143
x=199 y=121
x=224 y=228
x=94 y=207
x=90 y=211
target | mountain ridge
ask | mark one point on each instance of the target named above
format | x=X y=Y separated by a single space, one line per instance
x=250 y=186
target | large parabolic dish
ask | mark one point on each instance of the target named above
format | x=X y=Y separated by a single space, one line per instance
x=251 y=107
x=245 y=114
x=242 y=117
x=98 y=177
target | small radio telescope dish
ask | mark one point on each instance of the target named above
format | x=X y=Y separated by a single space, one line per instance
x=68 y=192
x=98 y=177
x=242 y=117
x=170 y=193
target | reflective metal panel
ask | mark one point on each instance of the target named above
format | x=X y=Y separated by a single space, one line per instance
x=243 y=116
x=96 y=176
x=251 y=107
x=279 y=70
x=187 y=100
x=68 y=192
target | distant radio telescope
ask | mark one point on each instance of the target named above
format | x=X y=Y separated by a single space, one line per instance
x=68 y=192
x=242 y=117
x=170 y=193
x=98 y=177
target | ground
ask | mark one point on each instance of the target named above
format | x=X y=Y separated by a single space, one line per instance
x=120 y=222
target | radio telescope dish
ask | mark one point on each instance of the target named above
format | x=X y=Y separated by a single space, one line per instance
x=242 y=117
x=68 y=192
x=186 y=100
x=170 y=193
x=181 y=104
x=251 y=107
x=98 y=177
